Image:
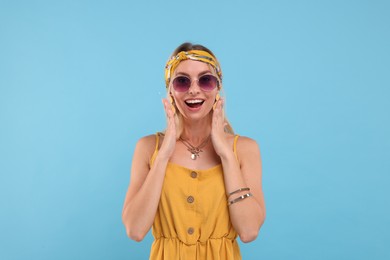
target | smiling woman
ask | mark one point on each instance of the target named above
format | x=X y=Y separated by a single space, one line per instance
x=197 y=184
x=209 y=79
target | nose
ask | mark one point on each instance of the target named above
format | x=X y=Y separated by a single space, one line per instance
x=194 y=87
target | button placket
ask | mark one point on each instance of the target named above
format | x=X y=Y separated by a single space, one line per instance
x=190 y=200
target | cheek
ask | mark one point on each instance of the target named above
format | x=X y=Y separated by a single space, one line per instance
x=215 y=96
x=178 y=99
x=173 y=94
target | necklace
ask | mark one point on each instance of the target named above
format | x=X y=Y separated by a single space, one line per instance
x=195 y=150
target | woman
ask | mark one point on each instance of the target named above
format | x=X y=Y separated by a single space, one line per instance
x=197 y=184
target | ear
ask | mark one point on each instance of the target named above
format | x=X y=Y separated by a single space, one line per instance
x=219 y=84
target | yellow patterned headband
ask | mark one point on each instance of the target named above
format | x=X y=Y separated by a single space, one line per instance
x=197 y=55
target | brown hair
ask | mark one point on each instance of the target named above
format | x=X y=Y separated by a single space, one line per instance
x=187 y=46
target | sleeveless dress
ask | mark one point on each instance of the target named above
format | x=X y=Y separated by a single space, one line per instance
x=192 y=220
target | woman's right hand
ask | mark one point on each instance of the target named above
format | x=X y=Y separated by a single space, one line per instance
x=144 y=192
x=169 y=142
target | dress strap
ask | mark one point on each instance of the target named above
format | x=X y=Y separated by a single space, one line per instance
x=235 y=146
x=155 y=149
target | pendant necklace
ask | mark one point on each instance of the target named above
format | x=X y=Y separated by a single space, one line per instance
x=195 y=150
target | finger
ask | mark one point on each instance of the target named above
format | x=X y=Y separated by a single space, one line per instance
x=218 y=109
x=217 y=121
x=165 y=104
x=168 y=108
x=221 y=102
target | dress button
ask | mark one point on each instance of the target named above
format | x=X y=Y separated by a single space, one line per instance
x=190 y=231
x=190 y=199
x=194 y=175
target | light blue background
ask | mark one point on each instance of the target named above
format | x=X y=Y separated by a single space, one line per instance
x=82 y=81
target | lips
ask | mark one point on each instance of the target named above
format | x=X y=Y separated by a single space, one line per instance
x=194 y=103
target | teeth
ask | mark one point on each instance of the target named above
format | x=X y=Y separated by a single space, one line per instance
x=194 y=101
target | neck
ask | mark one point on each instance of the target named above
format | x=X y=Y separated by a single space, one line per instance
x=196 y=132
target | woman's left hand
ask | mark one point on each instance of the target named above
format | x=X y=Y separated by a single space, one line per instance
x=218 y=135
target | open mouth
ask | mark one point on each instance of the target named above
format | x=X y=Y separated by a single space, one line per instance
x=194 y=103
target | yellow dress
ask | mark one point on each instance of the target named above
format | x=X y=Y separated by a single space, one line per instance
x=192 y=221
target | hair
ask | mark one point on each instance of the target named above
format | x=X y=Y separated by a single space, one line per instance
x=187 y=46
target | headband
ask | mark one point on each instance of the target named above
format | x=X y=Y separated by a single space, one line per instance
x=196 y=55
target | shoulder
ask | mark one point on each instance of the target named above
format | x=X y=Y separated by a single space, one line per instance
x=147 y=144
x=242 y=141
x=245 y=141
x=247 y=147
x=147 y=140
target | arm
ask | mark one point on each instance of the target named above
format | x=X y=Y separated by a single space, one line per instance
x=247 y=215
x=145 y=187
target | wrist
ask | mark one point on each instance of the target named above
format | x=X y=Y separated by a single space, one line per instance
x=227 y=155
x=162 y=157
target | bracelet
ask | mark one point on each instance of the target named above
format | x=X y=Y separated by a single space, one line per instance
x=242 y=197
x=240 y=189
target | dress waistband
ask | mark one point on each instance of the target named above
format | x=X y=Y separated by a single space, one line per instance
x=197 y=242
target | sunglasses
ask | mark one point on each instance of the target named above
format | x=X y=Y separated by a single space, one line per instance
x=206 y=82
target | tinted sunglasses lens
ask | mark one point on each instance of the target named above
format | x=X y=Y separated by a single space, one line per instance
x=208 y=82
x=181 y=84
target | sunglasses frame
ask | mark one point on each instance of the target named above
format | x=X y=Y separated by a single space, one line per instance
x=197 y=82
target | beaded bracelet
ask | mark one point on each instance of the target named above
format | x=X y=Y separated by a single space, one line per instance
x=240 y=189
x=242 y=197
